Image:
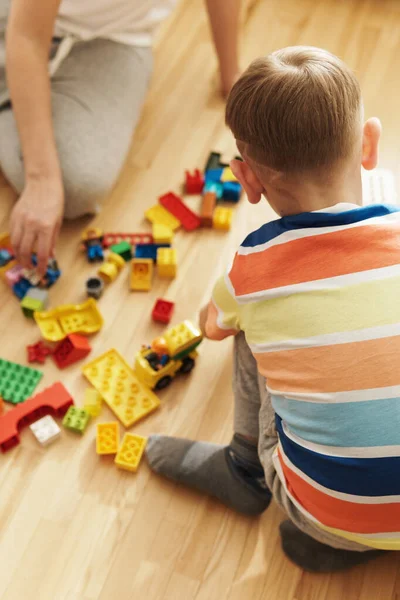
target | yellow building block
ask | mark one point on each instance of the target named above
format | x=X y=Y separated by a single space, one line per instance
x=111 y=267
x=167 y=262
x=227 y=175
x=56 y=324
x=107 y=438
x=92 y=402
x=158 y=214
x=222 y=218
x=181 y=337
x=128 y=398
x=130 y=452
x=162 y=234
x=141 y=274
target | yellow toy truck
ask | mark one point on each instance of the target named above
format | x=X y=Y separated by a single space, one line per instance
x=173 y=353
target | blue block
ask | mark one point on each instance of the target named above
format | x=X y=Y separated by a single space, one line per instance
x=231 y=191
x=214 y=186
x=21 y=287
x=213 y=175
x=149 y=250
x=5 y=257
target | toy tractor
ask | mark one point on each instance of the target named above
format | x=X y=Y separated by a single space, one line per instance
x=173 y=353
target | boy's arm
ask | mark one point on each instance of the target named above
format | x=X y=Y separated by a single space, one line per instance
x=220 y=318
x=224 y=18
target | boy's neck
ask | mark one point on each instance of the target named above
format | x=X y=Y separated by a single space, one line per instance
x=302 y=195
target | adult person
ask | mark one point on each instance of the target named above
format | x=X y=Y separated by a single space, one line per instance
x=73 y=77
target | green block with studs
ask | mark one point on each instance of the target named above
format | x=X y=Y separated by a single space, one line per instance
x=123 y=249
x=76 y=419
x=17 y=383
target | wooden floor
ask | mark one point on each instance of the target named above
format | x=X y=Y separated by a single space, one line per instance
x=73 y=527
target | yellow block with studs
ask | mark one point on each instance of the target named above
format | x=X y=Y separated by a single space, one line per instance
x=130 y=452
x=159 y=214
x=222 y=218
x=162 y=234
x=92 y=402
x=167 y=262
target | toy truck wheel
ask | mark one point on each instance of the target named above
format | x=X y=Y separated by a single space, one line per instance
x=163 y=383
x=187 y=366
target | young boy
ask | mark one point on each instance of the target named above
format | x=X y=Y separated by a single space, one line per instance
x=313 y=302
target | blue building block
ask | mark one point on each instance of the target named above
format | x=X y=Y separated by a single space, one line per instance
x=148 y=250
x=214 y=186
x=5 y=257
x=21 y=287
x=213 y=175
x=231 y=191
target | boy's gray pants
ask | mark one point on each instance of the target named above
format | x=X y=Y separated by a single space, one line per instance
x=97 y=90
x=255 y=418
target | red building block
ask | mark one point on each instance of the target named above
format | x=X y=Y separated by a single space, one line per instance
x=54 y=400
x=110 y=239
x=38 y=352
x=194 y=183
x=176 y=207
x=73 y=348
x=163 y=310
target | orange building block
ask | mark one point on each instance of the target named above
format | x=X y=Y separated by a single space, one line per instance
x=207 y=209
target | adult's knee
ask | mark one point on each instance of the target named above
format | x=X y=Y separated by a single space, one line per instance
x=85 y=189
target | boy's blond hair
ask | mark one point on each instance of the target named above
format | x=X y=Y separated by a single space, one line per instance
x=296 y=110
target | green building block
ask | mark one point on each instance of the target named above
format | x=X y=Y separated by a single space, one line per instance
x=29 y=305
x=17 y=383
x=76 y=419
x=123 y=249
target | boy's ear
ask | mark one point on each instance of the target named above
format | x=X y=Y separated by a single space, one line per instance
x=371 y=133
x=249 y=180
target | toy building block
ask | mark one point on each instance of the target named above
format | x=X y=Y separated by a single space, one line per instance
x=45 y=430
x=194 y=183
x=71 y=318
x=111 y=267
x=141 y=274
x=214 y=186
x=1 y=406
x=21 y=287
x=213 y=175
x=148 y=250
x=54 y=400
x=107 y=438
x=13 y=275
x=34 y=300
x=73 y=348
x=222 y=218
x=158 y=214
x=32 y=276
x=6 y=256
x=128 y=398
x=207 y=209
x=130 y=452
x=167 y=262
x=38 y=352
x=76 y=419
x=174 y=205
x=94 y=287
x=231 y=191
x=227 y=175
x=162 y=311
x=123 y=249
x=92 y=402
x=132 y=238
x=17 y=382
x=213 y=161
x=162 y=234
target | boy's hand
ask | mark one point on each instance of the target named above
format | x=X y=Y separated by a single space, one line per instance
x=35 y=222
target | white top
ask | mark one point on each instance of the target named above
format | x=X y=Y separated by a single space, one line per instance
x=130 y=22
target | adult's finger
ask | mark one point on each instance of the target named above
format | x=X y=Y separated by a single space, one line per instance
x=26 y=247
x=43 y=248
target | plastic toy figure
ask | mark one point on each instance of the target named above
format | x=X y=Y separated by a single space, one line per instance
x=158 y=357
x=92 y=239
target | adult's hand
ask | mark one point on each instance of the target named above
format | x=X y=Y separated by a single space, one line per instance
x=35 y=222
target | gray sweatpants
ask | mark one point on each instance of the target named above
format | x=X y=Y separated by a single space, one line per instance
x=97 y=94
x=255 y=418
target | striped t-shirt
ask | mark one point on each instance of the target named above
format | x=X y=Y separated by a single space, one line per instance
x=318 y=297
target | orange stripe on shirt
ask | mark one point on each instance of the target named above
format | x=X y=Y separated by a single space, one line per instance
x=317 y=257
x=341 y=514
x=339 y=368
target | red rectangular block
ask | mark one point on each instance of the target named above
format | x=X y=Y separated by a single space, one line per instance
x=110 y=239
x=163 y=310
x=71 y=349
x=54 y=400
x=173 y=204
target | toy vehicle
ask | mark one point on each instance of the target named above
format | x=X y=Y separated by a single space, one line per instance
x=174 y=353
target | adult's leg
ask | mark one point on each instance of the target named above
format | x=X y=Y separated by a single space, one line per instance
x=232 y=473
x=97 y=95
